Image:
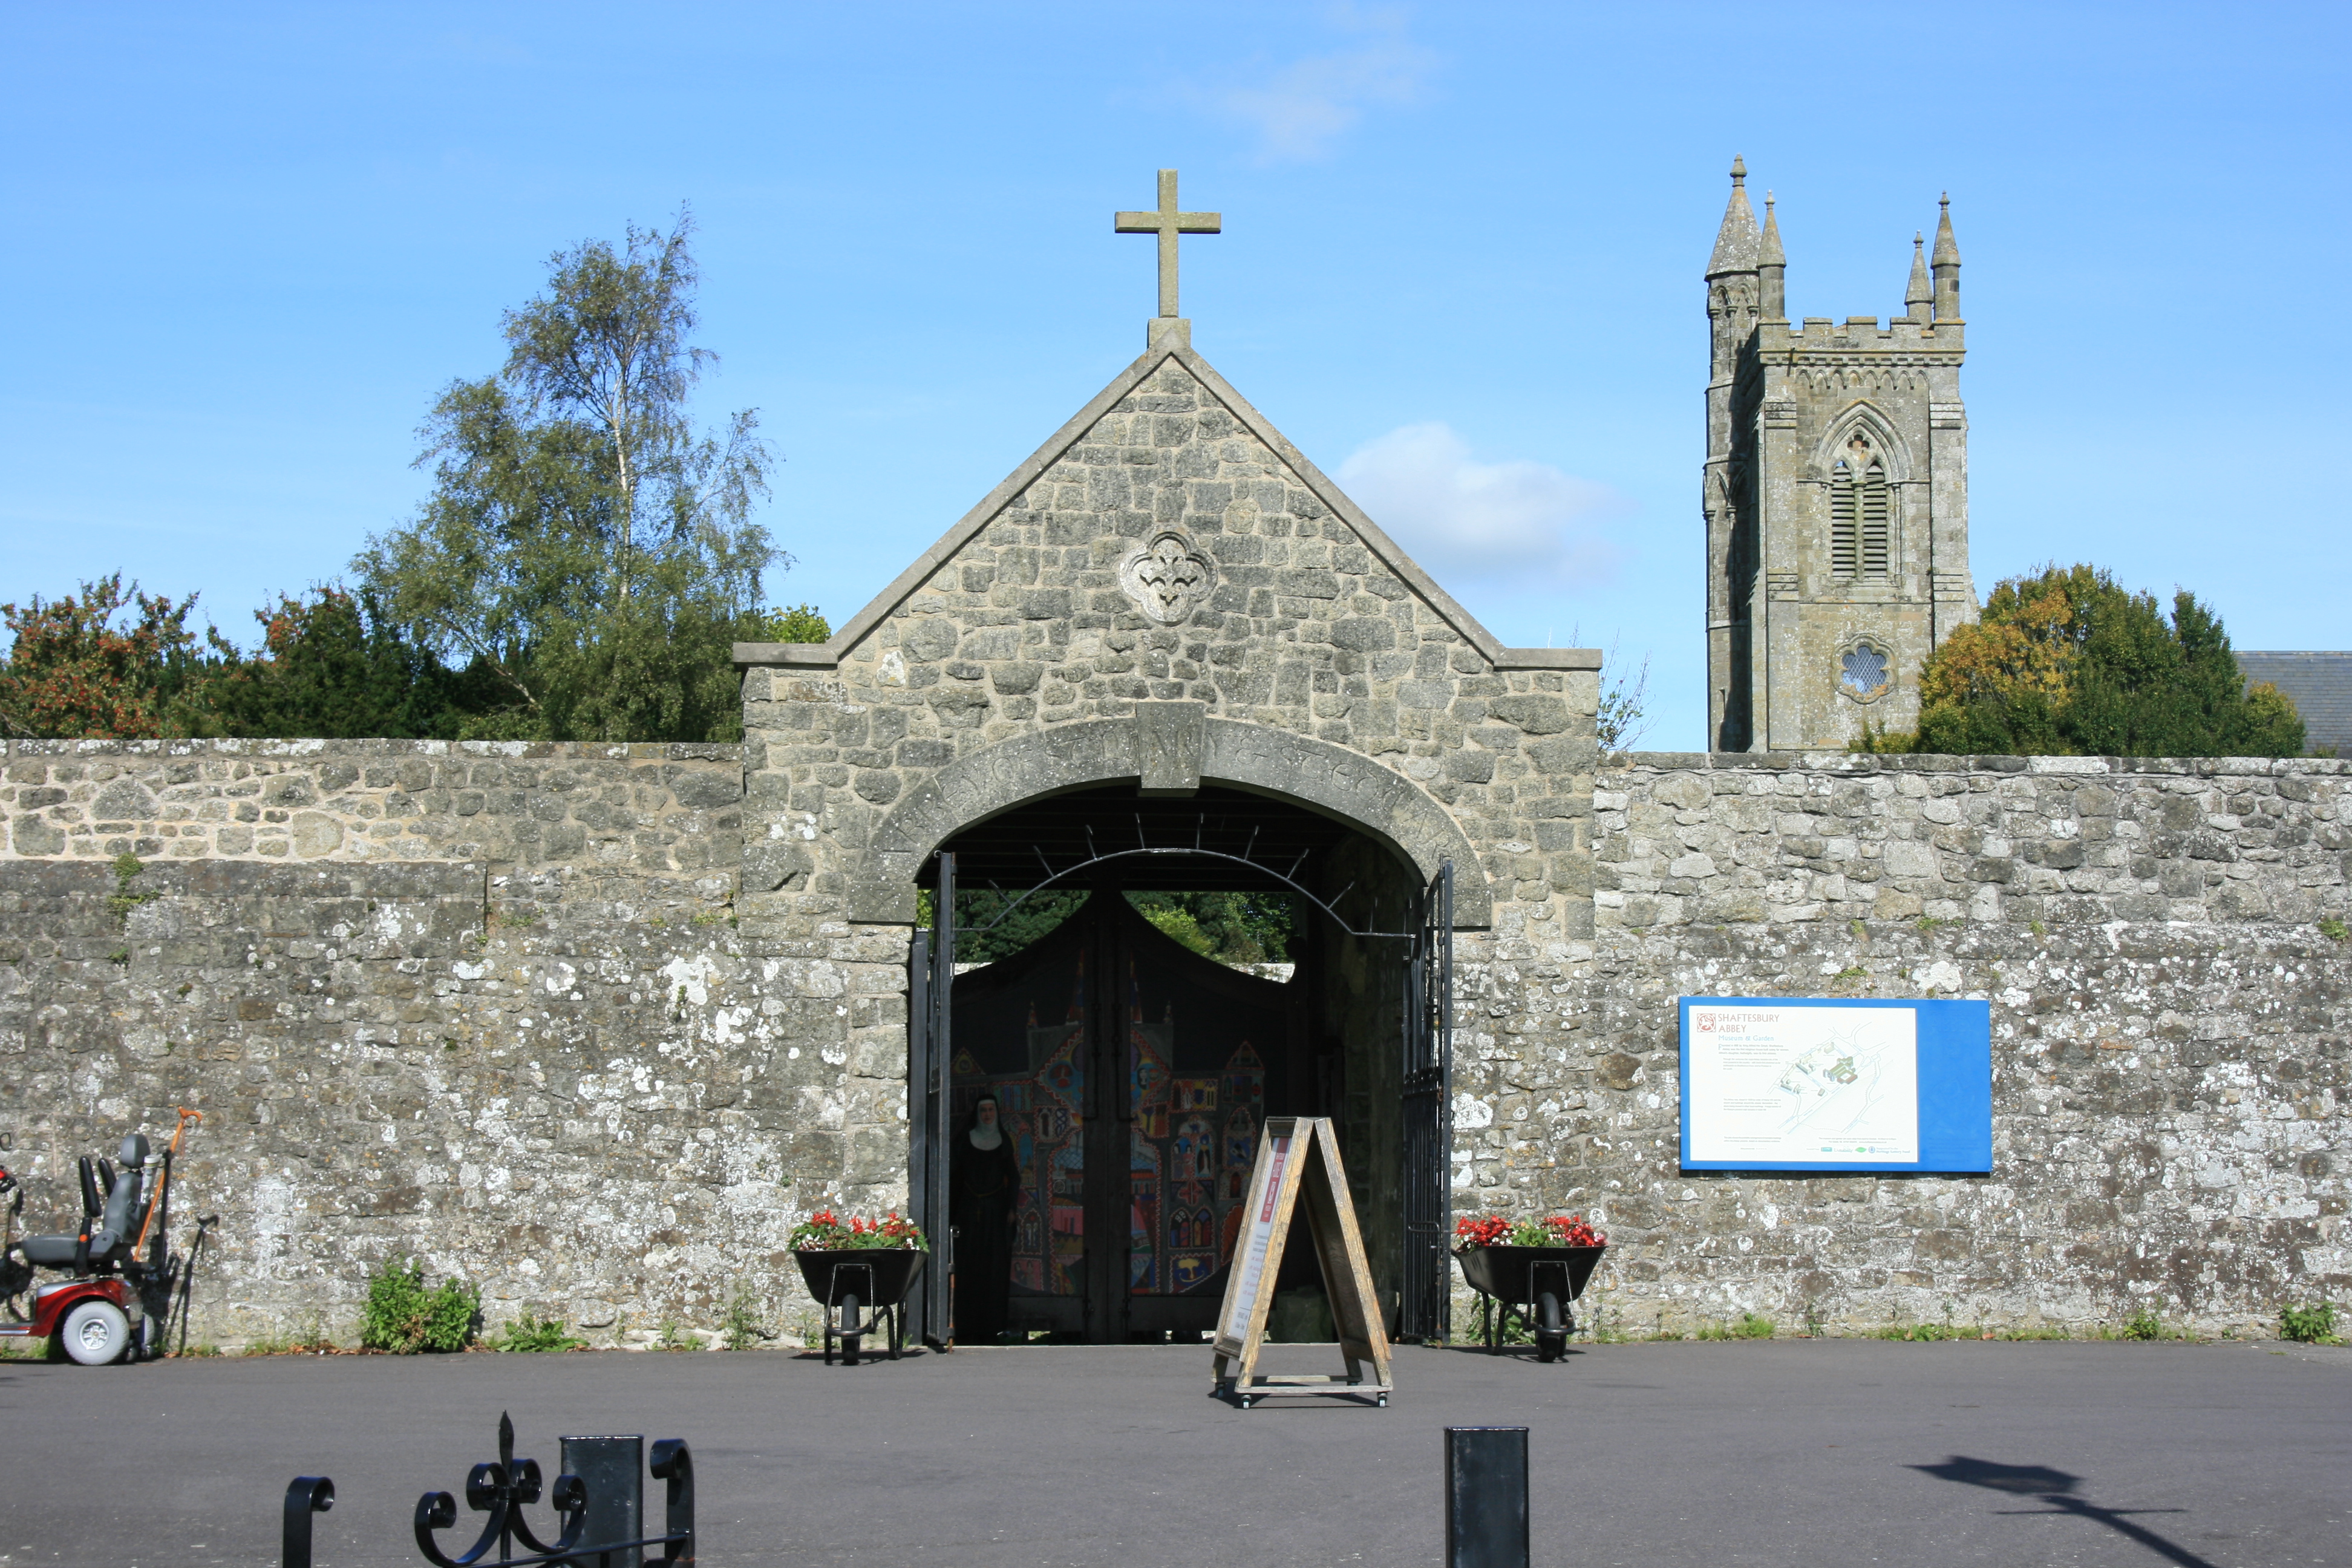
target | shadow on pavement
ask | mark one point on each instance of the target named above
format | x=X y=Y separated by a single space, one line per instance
x=2056 y=1488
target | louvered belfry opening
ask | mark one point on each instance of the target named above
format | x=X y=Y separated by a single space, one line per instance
x=1860 y=513
x=1874 y=520
x=1844 y=546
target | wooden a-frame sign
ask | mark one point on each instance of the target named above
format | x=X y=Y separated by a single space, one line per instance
x=1299 y=1154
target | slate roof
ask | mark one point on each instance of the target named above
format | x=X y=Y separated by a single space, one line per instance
x=2321 y=687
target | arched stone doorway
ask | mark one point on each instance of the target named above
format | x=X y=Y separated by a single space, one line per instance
x=1166 y=750
x=1133 y=1073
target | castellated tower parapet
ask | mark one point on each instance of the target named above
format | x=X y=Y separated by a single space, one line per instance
x=1835 y=495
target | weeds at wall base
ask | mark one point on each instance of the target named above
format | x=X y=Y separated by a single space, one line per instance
x=741 y=1328
x=530 y=1335
x=2310 y=1325
x=401 y=1317
x=310 y=1341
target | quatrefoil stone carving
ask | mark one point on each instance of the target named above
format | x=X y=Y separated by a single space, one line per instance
x=1168 y=578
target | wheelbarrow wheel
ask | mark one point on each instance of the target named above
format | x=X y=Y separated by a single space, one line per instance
x=849 y=1325
x=1551 y=1332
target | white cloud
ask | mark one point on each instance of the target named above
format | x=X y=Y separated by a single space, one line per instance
x=1524 y=523
x=1301 y=108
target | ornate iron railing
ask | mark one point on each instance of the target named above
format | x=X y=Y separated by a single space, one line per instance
x=598 y=1516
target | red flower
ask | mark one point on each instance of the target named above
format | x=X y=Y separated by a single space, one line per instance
x=1487 y=1230
x=1558 y=1230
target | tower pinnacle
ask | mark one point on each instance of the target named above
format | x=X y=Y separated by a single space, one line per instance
x=1736 y=241
x=1919 y=299
x=1772 y=268
x=1946 y=263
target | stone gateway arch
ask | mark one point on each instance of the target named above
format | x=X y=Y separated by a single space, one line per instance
x=1168 y=602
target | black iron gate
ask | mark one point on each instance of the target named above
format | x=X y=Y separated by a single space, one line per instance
x=1425 y=1310
x=930 y=1054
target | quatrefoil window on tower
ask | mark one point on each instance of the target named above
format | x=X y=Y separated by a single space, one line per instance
x=1168 y=578
x=1863 y=671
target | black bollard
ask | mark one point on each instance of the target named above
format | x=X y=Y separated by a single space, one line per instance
x=614 y=1469
x=305 y=1495
x=1485 y=1497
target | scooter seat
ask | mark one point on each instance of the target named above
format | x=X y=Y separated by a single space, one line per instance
x=48 y=1251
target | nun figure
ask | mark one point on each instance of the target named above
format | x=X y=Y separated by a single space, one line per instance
x=985 y=1181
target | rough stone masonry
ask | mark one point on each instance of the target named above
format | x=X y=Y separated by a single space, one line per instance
x=595 y=1025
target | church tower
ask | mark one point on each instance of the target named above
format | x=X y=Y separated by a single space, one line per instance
x=1835 y=493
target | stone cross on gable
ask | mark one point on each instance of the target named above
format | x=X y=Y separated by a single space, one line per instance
x=1168 y=223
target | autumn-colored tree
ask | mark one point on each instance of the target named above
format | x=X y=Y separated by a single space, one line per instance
x=76 y=673
x=2068 y=662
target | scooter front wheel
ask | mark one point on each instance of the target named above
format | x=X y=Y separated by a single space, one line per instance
x=95 y=1333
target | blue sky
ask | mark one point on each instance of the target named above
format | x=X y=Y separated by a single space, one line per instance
x=248 y=244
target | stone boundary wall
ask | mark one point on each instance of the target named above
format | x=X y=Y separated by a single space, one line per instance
x=646 y=807
x=1682 y=838
x=487 y=1006
x=519 y=1017
x=2172 y=1036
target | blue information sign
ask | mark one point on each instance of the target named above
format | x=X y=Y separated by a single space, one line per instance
x=1778 y=1083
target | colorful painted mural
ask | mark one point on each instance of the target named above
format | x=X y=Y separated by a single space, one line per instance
x=1192 y=1104
x=1176 y=1118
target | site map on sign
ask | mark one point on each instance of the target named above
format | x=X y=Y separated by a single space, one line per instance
x=1811 y=1084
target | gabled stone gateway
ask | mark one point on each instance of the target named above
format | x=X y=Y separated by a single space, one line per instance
x=1169 y=546
x=1169 y=597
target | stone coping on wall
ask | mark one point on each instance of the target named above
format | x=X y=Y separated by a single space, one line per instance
x=640 y=751
x=657 y=808
x=1902 y=762
x=1684 y=838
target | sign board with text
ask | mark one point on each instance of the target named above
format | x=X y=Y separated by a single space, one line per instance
x=1299 y=1170
x=1778 y=1083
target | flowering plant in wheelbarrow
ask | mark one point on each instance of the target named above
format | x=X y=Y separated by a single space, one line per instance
x=1530 y=1268
x=825 y=1231
x=1494 y=1230
x=859 y=1271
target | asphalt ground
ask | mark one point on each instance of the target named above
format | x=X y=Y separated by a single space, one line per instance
x=1818 y=1453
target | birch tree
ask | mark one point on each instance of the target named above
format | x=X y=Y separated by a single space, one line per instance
x=586 y=546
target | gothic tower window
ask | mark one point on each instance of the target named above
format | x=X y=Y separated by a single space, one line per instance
x=1860 y=506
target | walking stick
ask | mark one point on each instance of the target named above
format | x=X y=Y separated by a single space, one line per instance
x=163 y=1182
x=16 y=1194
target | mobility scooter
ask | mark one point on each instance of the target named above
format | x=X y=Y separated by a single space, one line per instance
x=97 y=1313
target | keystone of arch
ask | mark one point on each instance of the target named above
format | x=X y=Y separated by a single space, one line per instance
x=1339 y=784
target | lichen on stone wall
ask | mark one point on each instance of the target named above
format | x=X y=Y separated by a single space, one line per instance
x=2172 y=1036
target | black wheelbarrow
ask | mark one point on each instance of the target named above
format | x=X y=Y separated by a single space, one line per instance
x=864 y=1290
x=1533 y=1283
